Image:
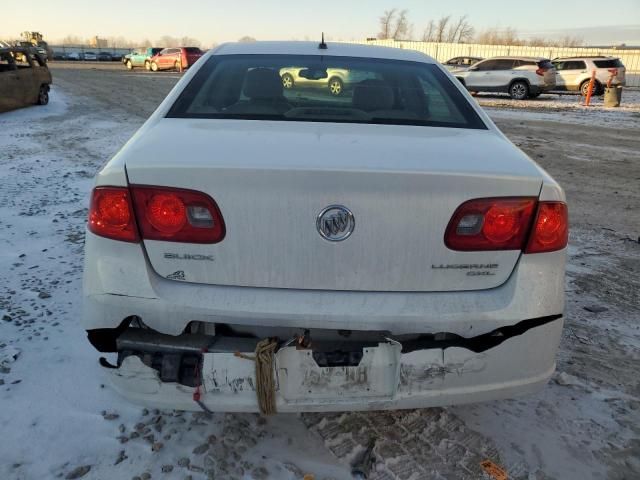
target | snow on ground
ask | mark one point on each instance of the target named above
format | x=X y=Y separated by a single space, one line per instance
x=60 y=418
x=570 y=106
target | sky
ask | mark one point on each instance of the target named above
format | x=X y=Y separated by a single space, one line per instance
x=214 y=21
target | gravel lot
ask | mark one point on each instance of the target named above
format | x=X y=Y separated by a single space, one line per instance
x=64 y=421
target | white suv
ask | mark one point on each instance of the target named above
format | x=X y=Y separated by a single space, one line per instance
x=385 y=248
x=574 y=73
x=520 y=77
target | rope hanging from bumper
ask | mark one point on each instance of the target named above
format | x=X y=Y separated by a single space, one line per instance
x=265 y=380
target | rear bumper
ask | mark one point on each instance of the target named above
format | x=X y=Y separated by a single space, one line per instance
x=423 y=378
x=119 y=283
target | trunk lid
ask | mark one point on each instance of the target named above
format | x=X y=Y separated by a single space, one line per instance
x=272 y=179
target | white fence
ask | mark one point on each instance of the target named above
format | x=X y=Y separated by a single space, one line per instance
x=445 y=51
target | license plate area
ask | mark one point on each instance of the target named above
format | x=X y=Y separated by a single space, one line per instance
x=301 y=380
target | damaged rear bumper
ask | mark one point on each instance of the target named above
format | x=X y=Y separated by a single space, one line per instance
x=387 y=374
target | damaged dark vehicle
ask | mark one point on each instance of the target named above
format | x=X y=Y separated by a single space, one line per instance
x=25 y=78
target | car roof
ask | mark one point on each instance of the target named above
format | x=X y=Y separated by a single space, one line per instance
x=582 y=57
x=311 y=48
x=516 y=57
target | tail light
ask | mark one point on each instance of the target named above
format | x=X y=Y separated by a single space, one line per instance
x=508 y=223
x=177 y=215
x=111 y=214
x=157 y=213
x=490 y=224
x=551 y=228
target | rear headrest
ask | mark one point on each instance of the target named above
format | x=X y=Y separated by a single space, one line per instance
x=371 y=94
x=262 y=83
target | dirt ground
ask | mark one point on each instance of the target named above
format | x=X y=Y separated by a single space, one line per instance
x=585 y=424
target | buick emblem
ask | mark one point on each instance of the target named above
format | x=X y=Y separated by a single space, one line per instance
x=335 y=223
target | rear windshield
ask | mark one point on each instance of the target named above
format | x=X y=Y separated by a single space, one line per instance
x=609 y=63
x=316 y=88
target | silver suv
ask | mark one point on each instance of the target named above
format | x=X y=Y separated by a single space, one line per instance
x=520 y=77
x=573 y=73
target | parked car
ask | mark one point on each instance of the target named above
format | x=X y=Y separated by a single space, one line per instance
x=175 y=58
x=574 y=73
x=141 y=57
x=24 y=82
x=73 y=56
x=387 y=248
x=461 y=63
x=89 y=56
x=335 y=80
x=116 y=57
x=104 y=57
x=520 y=77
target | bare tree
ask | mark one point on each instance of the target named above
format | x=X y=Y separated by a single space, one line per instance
x=466 y=34
x=494 y=36
x=510 y=37
x=452 y=32
x=189 y=42
x=401 y=29
x=429 y=32
x=444 y=30
x=167 y=41
x=441 y=28
x=461 y=31
x=386 y=21
x=487 y=37
x=246 y=39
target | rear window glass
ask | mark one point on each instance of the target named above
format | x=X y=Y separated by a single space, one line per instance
x=193 y=50
x=316 y=88
x=609 y=63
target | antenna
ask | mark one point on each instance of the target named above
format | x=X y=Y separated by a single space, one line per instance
x=322 y=46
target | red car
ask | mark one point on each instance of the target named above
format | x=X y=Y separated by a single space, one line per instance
x=175 y=58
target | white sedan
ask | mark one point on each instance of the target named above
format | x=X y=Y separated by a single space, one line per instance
x=385 y=248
